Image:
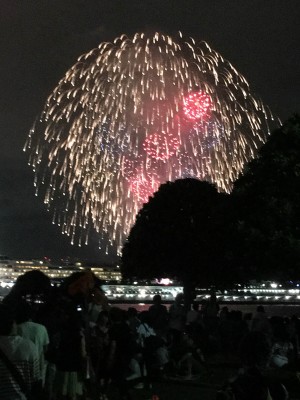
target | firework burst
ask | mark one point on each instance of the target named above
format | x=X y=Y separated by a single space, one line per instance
x=135 y=113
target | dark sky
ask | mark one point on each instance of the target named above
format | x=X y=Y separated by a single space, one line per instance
x=40 y=40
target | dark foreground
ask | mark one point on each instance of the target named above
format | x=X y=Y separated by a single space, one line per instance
x=219 y=368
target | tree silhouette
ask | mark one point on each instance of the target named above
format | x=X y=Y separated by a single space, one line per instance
x=268 y=200
x=179 y=233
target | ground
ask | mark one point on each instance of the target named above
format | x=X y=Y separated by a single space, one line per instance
x=218 y=370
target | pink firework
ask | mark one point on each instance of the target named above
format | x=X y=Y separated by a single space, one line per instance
x=143 y=186
x=196 y=105
x=161 y=147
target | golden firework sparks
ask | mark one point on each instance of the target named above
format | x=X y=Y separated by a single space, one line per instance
x=135 y=113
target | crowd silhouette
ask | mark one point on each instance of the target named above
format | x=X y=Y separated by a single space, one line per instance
x=74 y=345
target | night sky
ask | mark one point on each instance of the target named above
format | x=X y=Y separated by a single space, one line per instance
x=40 y=40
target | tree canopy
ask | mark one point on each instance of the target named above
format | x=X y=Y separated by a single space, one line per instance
x=177 y=234
x=268 y=207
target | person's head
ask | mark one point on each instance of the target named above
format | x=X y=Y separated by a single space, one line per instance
x=260 y=309
x=132 y=312
x=7 y=320
x=157 y=299
x=179 y=298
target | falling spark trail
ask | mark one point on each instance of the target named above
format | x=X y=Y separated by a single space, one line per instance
x=133 y=114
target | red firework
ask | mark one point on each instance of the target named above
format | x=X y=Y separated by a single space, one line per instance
x=196 y=105
x=143 y=186
x=161 y=147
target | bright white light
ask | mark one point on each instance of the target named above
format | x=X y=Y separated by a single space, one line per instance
x=274 y=285
x=293 y=291
x=165 y=281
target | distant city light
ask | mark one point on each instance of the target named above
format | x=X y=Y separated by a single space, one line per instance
x=165 y=281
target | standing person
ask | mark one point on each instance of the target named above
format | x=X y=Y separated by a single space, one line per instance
x=133 y=321
x=193 y=315
x=144 y=330
x=99 y=349
x=177 y=314
x=22 y=355
x=260 y=322
x=158 y=316
x=293 y=332
x=211 y=313
x=37 y=333
x=122 y=349
x=71 y=358
x=98 y=302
